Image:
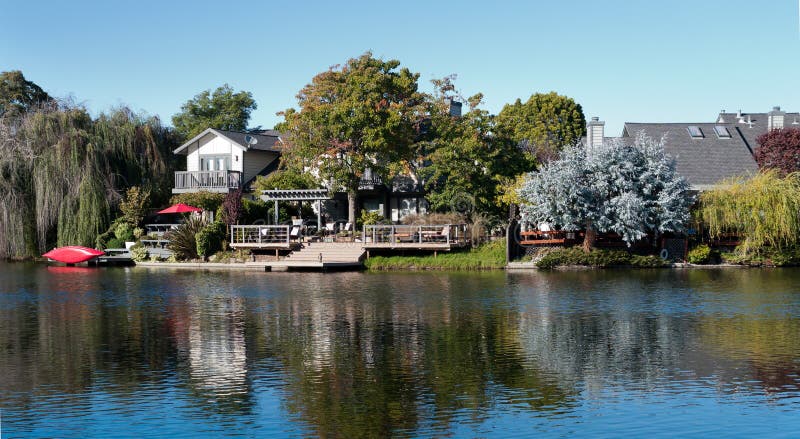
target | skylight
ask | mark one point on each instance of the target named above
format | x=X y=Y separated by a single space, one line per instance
x=722 y=132
x=695 y=132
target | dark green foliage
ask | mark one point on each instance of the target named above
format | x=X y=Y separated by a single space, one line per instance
x=139 y=253
x=115 y=243
x=777 y=257
x=649 y=261
x=183 y=240
x=543 y=125
x=134 y=206
x=209 y=238
x=287 y=210
x=18 y=95
x=101 y=241
x=124 y=232
x=285 y=179
x=596 y=258
x=699 y=255
x=361 y=115
x=221 y=109
x=209 y=201
x=369 y=218
x=254 y=211
x=489 y=256
x=466 y=163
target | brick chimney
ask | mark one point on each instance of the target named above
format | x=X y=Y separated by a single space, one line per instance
x=775 y=119
x=595 y=131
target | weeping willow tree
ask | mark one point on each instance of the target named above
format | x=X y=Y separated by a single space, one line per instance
x=62 y=174
x=764 y=210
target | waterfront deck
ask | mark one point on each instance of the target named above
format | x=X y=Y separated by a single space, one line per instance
x=436 y=238
x=263 y=237
x=282 y=265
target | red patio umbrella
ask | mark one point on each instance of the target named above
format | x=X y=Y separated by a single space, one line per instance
x=181 y=208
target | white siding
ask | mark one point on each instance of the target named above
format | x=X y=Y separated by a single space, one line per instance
x=254 y=162
x=193 y=158
x=212 y=144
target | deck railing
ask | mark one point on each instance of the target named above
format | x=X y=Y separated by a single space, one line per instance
x=449 y=234
x=208 y=180
x=262 y=234
x=159 y=229
x=370 y=183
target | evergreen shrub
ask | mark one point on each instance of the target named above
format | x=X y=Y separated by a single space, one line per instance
x=699 y=255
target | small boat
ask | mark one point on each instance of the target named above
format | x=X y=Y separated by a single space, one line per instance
x=73 y=254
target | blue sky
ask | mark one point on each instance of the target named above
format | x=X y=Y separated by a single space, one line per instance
x=623 y=60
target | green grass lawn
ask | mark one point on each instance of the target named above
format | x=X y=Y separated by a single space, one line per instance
x=485 y=257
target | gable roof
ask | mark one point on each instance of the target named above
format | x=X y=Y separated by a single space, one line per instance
x=267 y=140
x=702 y=161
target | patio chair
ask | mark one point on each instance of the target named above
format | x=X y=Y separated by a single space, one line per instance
x=330 y=228
x=442 y=235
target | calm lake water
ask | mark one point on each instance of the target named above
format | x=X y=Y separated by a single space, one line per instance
x=135 y=352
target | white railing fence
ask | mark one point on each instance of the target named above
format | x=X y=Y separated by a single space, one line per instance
x=260 y=234
x=208 y=179
x=416 y=234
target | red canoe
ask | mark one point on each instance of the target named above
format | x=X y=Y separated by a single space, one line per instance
x=73 y=254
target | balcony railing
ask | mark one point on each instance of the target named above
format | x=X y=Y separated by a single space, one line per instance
x=214 y=181
x=370 y=183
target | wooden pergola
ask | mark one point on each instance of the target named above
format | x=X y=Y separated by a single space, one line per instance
x=317 y=195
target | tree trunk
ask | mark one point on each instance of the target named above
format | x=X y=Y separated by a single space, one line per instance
x=352 y=203
x=589 y=238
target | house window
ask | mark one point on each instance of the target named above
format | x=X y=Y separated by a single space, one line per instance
x=373 y=205
x=722 y=132
x=407 y=206
x=695 y=132
x=215 y=162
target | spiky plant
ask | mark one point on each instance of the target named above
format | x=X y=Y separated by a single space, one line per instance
x=183 y=240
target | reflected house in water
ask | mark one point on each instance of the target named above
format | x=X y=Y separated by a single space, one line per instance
x=626 y=342
x=210 y=336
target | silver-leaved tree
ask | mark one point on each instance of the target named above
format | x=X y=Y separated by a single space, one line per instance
x=629 y=188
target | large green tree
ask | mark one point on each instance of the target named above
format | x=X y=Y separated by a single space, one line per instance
x=544 y=124
x=18 y=95
x=354 y=117
x=222 y=109
x=465 y=162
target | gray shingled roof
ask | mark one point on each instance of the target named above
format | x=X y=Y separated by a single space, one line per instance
x=704 y=161
x=268 y=140
x=759 y=125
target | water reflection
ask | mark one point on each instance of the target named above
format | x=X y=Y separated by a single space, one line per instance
x=357 y=354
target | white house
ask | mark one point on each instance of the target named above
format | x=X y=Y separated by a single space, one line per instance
x=222 y=161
